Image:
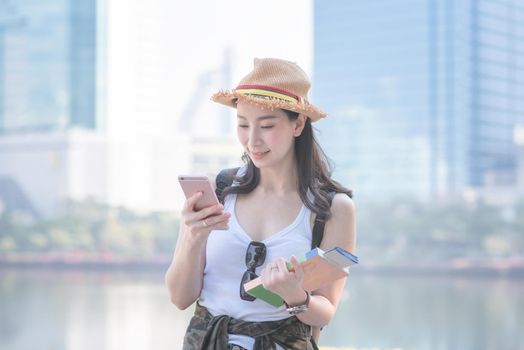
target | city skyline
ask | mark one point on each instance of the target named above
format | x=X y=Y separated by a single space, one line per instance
x=422 y=105
x=152 y=118
x=417 y=110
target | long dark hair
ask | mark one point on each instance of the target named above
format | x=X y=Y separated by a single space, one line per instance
x=314 y=172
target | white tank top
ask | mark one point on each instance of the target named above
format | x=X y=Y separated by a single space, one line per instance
x=225 y=265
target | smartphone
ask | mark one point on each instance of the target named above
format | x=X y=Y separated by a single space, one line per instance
x=193 y=184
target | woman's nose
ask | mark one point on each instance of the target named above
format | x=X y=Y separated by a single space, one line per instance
x=254 y=137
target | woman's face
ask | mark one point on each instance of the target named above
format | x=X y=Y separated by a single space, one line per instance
x=267 y=135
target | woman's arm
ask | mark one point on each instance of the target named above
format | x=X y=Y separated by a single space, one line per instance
x=185 y=274
x=339 y=231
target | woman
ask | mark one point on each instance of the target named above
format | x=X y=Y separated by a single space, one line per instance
x=266 y=218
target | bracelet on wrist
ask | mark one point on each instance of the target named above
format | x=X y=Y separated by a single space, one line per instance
x=297 y=309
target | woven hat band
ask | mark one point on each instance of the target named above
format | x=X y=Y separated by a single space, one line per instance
x=268 y=92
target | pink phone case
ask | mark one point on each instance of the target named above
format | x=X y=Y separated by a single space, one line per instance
x=192 y=184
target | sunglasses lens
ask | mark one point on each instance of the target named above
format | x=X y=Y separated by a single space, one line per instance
x=248 y=276
x=250 y=259
x=255 y=254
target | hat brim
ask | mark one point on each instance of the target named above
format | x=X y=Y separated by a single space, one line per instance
x=230 y=99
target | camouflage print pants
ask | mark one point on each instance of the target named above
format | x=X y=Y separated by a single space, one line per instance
x=206 y=332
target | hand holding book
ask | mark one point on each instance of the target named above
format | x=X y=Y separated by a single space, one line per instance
x=319 y=267
x=284 y=279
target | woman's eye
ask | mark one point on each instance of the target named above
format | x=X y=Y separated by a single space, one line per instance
x=263 y=127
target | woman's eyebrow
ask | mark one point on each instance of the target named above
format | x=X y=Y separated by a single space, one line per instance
x=263 y=117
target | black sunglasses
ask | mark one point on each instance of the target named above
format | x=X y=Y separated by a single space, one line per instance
x=255 y=257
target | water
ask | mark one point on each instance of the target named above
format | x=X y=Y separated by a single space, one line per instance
x=78 y=310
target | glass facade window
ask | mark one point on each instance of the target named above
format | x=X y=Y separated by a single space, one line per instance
x=446 y=73
x=48 y=68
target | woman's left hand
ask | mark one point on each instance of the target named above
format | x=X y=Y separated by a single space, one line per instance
x=287 y=284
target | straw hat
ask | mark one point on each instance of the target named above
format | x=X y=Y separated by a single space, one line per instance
x=273 y=83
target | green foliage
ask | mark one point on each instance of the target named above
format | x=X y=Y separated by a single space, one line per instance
x=394 y=231
x=404 y=230
x=91 y=227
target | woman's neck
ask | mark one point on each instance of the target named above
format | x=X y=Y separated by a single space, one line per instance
x=279 y=180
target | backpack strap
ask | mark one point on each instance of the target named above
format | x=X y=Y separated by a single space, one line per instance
x=320 y=222
x=224 y=179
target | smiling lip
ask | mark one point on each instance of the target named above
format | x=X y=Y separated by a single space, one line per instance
x=259 y=155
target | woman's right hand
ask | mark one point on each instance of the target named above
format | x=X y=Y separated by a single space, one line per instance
x=201 y=223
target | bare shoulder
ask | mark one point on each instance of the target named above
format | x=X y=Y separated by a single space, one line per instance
x=342 y=206
x=341 y=228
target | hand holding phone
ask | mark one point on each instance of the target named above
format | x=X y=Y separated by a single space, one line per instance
x=193 y=184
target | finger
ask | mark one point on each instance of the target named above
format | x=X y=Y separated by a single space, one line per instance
x=281 y=264
x=224 y=225
x=212 y=221
x=193 y=216
x=221 y=227
x=191 y=201
x=198 y=217
x=210 y=211
x=297 y=267
x=200 y=228
x=217 y=222
x=266 y=276
x=269 y=270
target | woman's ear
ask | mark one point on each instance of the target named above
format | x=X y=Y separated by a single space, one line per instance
x=300 y=123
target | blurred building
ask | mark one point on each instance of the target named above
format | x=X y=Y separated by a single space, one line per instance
x=110 y=99
x=423 y=97
x=49 y=62
x=51 y=144
x=43 y=168
x=502 y=194
x=519 y=140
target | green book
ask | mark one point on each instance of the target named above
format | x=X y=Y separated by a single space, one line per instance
x=320 y=268
x=259 y=292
